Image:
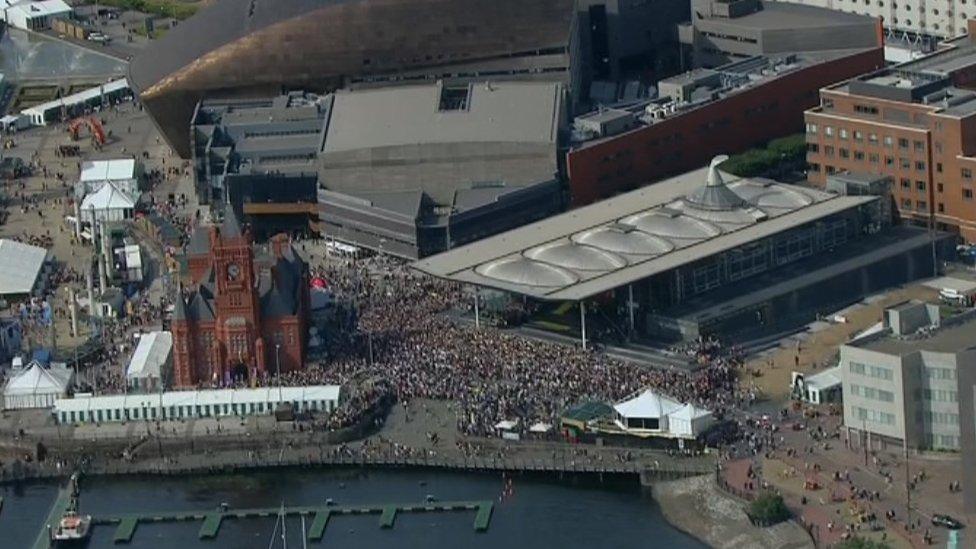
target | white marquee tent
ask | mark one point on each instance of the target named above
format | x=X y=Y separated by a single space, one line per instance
x=150 y=361
x=109 y=203
x=652 y=414
x=21 y=266
x=36 y=386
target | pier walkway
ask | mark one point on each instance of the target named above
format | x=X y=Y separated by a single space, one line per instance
x=211 y=520
x=60 y=505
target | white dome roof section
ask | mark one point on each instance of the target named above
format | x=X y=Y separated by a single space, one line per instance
x=624 y=239
x=773 y=196
x=526 y=272
x=577 y=257
x=672 y=225
x=736 y=216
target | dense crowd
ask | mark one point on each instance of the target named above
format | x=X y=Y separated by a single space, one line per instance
x=404 y=338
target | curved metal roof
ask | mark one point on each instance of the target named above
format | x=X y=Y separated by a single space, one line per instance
x=672 y=226
x=733 y=216
x=576 y=256
x=527 y=272
x=773 y=197
x=624 y=240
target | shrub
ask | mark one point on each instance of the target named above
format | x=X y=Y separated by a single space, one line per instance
x=861 y=543
x=769 y=508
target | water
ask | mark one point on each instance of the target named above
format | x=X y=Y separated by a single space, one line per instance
x=540 y=514
x=24 y=55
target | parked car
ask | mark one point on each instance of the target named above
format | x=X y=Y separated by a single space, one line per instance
x=946 y=521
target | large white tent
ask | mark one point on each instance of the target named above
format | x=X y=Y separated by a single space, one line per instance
x=119 y=171
x=150 y=361
x=36 y=386
x=653 y=414
x=109 y=203
x=21 y=266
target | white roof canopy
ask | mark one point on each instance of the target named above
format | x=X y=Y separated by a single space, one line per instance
x=108 y=170
x=648 y=404
x=36 y=379
x=152 y=352
x=20 y=265
x=109 y=197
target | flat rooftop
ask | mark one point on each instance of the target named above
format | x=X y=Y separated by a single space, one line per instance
x=784 y=15
x=402 y=116
x=948 y=339
x=630 y=237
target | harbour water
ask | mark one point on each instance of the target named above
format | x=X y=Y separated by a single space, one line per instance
x=25 y=56
x=538 y=513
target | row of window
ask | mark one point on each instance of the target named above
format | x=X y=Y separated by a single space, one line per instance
x=934 y=372
x=857 y=135
x=943 y=418
x=874 y=416
x=878 y=372
x=872 y=393
x=941 y=441
x=937 y=395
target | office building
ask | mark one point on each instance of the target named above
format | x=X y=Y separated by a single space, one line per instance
x=912 y=18
x=914 y=123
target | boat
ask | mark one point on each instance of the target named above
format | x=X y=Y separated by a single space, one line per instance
x=72 y=530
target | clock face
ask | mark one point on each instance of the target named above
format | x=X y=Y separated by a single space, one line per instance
x=233 y=271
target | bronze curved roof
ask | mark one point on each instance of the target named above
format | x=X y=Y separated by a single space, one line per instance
x=260 y=46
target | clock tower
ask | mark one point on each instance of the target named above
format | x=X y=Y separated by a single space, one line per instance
x=236 y=298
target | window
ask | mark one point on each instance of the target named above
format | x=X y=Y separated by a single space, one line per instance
x=813 y=147
x=829 y=150
x=889 y=161
x=843 y=133
x=905 y=163
x=873 y=138
x=941 y=207
x=906 y=184
x=858 y=136
x=878 y=372
x=938 y=146
x=828 y=131
x=906 y=203
x=939 y=395
x=902 y=143
x=967 y=194
x=921 y=206
x=844 y=153
x=919 y=186
x=706 y=277
x=826 y=103
x=967 y=173
x=866 y=109
x=859 y=155
x=873 y=416
x=873 y=158
x=793 y=246
x=872 y=393
x=938 y=187
x=919 y=166
x=811 y=128
x=946 y=374
x=938 y=167
x=888 y=141
x=919 y=146
x=747 y=261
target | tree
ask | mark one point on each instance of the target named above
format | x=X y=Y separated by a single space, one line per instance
x=769 y=508
x=861 y=543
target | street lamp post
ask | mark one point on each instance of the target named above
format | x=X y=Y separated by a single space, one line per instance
x=278 y=366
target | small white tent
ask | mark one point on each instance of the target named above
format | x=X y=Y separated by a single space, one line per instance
x=652 y=414
x=109 y=203
x=36 y=386
x=150 y=361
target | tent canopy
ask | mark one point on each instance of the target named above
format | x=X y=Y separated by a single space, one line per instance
x=20 y=265
x=648 y=404
x=118 y=169
x=35 y=379
x=108 y=197
x=152 y=352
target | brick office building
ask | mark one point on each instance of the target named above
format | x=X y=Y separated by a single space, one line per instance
x=755 y=100
x=243 y=315
x=914 y=122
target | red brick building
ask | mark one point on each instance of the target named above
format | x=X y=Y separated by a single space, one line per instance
x=241 y=315
x=770 y=105
x=914 y=122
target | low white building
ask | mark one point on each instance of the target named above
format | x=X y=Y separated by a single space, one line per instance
x=150 y=365
x=196 y=404
x=36 y=386
x=77 y=103
x=122 y=172
x=107 y=204
x=33 y=14
x=821 y=388
x=651 y=414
